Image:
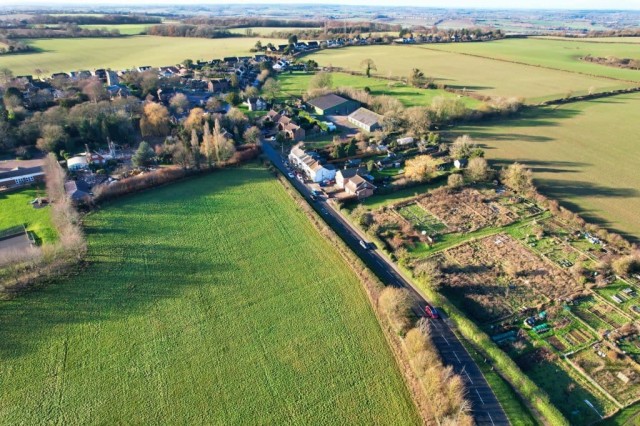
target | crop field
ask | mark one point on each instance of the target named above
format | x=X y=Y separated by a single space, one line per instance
x=619 y=376
x=297 y=83
x=568 y=333
x=557 y=54
x=608 y=40
x=600 y=315
x=68 y=54
x=213 y=300
x=16 y=210
x=579 y=155
x=124 y=29
x=483 y=75
x=564 y=389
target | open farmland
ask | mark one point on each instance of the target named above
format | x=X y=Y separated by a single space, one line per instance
x=124 y=29
x=557 y=54
x=297 y=83
x=482 y=75
x=68 y=54
x=265 y=31
x=579 y=154
x=213 y=300
x=16 y=210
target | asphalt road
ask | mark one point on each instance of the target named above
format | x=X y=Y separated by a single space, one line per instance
x=485 y=407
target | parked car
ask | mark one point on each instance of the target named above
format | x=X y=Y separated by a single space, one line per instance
x=291 y=175
x=364 y=244
x=431 y=312
x=317 y=193
x=314 y=197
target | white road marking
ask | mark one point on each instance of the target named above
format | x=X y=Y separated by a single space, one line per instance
x=468 y=377
x=445 y=339
x=491 y=418
x=456 y=355
x=481 y=400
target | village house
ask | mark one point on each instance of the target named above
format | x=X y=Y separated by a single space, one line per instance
x=365 y=119
x=79 y=162
x=20 y=176
x=77 y=191
x=256 y=104
x=333 y=104
x=359 y=187
x=291 y=130
x=311 y=167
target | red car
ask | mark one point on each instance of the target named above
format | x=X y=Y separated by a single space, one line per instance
x=431 y=312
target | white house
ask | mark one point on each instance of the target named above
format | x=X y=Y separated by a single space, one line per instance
x=78 y=162
x=311 y=167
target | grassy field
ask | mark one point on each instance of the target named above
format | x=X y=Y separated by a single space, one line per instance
x=209 y=301
x=483 y=75
x=298 y=83
x=16 y=210
x=557 y=54
x=580 y=154
x=57 y=55
x=125 y=29
x=615 y=40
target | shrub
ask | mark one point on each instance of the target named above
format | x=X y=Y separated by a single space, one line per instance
x=396 y=304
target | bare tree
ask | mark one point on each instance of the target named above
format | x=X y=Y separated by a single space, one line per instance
x=368 y=66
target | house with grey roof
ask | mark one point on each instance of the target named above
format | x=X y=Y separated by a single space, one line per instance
x=365 y=119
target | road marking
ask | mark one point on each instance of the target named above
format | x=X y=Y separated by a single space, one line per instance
x=481 y=400
x=445 y=339
x=468 y=377
x=491 y=418
x=456 y=355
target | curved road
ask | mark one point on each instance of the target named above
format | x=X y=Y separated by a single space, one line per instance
x=485 y=406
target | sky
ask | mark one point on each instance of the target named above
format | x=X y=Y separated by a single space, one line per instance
x=481 y=4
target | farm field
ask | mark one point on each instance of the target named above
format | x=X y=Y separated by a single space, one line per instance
x=557 y=54
x=576 y=152
x=483 y=75
x=206 y=301
x=614 y=40
x=125 y=29
x=16 y=211
x=58 y=55
x=297 y=83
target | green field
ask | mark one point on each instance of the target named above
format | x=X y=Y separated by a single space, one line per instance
x=68 y=54
x=15 y=210
x=298 y=83
x=580 y=154
x=125 y=29
x=210 y=301
x=615 y=40
x=483 y=75
x=557 y=54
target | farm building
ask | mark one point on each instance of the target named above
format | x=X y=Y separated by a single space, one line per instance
x=311 y=167
x=366 y=119
x=20 y=176
x=78 y=162
x=333 y=104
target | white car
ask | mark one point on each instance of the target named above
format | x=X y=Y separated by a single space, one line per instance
x=291 y=175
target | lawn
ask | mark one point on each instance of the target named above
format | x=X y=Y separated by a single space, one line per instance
x=68 y=54
x=265 y=31
x=124 y=29
x=482 y=75
x=210 y=301
x=17 y=210
x=298 y=83
x=579 y=154
x=557 y=54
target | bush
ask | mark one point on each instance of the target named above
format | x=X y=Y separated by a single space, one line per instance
x=396 y=304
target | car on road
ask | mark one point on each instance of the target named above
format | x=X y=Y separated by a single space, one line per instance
x=291 y=175
x=364 y=244
x=317 y=193
x=314 y=197
x=431 y=312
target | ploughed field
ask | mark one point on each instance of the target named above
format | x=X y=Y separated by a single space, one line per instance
x=580 y=154
x=483 y=75
x=213 y=300
x=72 y=54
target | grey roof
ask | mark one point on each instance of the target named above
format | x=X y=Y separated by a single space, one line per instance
x=365 y=116
x=21 y=171
x=327 y=101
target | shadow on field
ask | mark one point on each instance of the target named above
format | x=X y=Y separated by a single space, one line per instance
x=128 y=271
x=539 y=166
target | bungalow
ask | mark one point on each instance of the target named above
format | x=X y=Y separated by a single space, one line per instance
x=365 y=119
x=333 y=104
x=359 y=187
x=311 y=167
x=20 y=176
x=78 y=162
